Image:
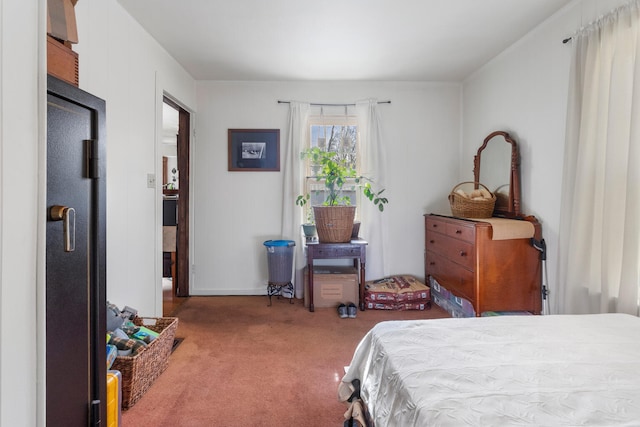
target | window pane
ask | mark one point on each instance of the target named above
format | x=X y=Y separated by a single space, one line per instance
x=319 y=193
x=341 y=139
x=339 y=135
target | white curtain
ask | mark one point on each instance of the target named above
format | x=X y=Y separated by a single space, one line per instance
x=372 y=153
x=292 y=186
x=599 y=265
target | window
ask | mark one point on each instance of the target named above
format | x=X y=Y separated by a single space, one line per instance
x=337 y=134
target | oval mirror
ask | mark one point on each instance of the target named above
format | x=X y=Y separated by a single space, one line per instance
x=497 y=166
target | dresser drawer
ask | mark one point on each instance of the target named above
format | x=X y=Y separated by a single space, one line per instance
x=436 y=225
x=336 y=252
x=457 y=228
x=452 y=276
x=458 y=251
x=462 y=230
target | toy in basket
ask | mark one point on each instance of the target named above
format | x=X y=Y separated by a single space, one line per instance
x=140 y=371
x=471 y=200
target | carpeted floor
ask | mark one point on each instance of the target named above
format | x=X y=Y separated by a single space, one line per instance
x=242 y=363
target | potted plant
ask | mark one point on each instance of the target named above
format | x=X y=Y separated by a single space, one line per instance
x=334 y=218
x=309 y=227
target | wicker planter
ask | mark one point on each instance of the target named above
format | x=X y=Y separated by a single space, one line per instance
x=334 y=223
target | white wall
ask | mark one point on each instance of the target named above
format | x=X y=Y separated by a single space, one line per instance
x=22 y=72
x=125 y=66
x=235 y=212
x=524 y=91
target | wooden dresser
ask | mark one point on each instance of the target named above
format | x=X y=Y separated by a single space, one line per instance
x=494 y=275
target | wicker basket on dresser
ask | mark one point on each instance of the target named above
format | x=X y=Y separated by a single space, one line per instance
x=494 y=275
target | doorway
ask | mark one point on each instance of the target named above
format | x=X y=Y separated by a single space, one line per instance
x=175 y=205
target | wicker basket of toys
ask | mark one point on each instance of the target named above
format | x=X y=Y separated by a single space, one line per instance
x=140 y=371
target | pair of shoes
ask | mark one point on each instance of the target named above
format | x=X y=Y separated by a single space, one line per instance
x=342 y=311
x=349 y=311
x=352 y=310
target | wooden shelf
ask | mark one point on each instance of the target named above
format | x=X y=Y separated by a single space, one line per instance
x=62 y=61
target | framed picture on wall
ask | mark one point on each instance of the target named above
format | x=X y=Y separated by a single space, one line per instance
x=254 y=150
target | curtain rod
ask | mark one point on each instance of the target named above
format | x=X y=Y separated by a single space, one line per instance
x=600 y=19
x=332 y=105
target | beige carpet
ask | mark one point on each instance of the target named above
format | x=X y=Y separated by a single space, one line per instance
x=242 y=363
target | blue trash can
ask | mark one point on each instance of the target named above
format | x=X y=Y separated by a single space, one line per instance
x=280 y=262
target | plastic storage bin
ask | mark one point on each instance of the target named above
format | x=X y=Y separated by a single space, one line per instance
x=114 y=398
x=280 y=262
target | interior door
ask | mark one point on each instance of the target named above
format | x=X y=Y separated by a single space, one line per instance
x=182 y=237
x=75 y=258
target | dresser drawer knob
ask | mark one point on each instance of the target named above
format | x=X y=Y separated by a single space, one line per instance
x=463 y=253
x=432 y=241
x=458 y=231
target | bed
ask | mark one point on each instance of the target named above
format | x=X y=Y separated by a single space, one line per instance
x=560 y=370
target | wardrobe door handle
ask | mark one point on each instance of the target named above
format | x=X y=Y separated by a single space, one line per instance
x=68 y=217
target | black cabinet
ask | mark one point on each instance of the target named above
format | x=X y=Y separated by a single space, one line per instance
x=170 y=212
x=75 y=258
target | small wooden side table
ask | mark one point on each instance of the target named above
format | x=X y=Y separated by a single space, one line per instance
x=356 y=249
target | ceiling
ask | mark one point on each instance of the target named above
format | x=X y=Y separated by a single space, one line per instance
x=374 y=40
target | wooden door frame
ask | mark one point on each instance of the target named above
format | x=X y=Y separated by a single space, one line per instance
x=182 y=235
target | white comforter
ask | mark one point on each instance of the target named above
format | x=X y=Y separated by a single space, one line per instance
x=499 y=371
